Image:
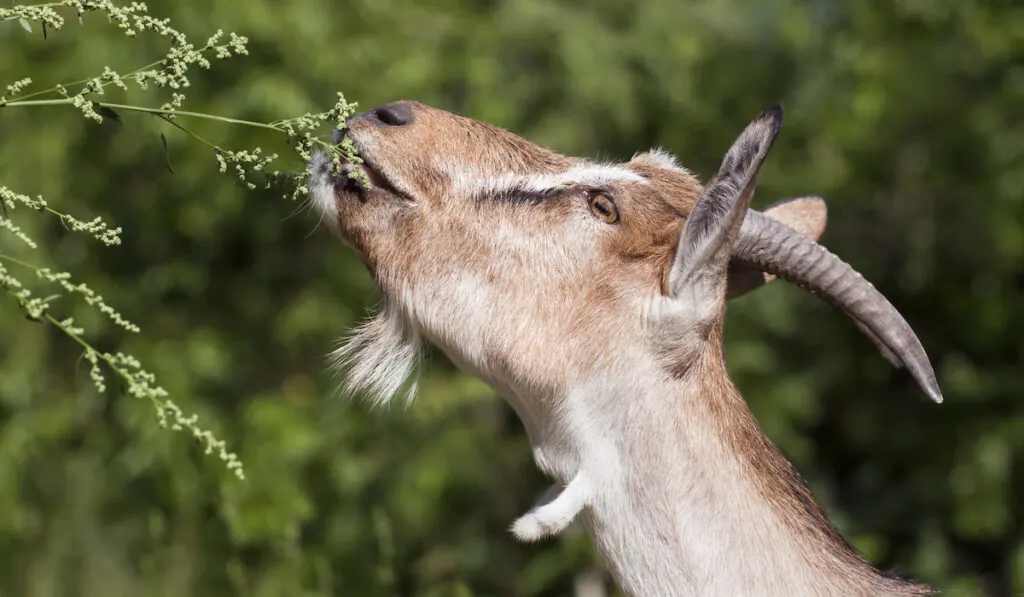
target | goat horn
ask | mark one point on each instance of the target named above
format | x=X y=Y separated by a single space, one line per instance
x=775 y=248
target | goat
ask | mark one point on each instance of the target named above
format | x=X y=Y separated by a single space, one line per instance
x=592 y=297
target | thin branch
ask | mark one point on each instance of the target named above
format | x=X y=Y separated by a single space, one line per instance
x=130 y=108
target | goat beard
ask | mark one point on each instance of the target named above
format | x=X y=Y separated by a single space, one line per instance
x=379 y=357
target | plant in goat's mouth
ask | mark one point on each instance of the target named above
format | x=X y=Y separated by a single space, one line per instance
x=168 y=76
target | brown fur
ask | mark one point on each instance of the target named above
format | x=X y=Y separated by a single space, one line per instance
x=781 y=485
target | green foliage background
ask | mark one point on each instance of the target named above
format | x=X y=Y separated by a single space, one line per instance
x=908 y=117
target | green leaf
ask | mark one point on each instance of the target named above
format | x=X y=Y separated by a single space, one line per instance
x=108 y=113
x=167 y=154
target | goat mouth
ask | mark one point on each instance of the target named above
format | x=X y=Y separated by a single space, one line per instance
x=349 y=180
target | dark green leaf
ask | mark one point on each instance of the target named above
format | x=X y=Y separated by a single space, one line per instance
x=167 y=153
x=106 y=112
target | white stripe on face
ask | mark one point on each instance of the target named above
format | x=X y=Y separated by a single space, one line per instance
x=466 y=181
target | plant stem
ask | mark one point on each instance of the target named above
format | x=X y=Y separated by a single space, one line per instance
x=83 y=81
x=67 y=101
x=167 y=119
x=89 y=347
x=102 y=356
x=18 y=261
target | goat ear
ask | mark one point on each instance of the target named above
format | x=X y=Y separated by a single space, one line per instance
x=705 y=243
x=807 y=215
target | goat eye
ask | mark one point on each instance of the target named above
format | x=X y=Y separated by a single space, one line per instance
x=604 y=208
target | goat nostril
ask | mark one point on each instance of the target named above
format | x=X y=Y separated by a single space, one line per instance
x=396 y=114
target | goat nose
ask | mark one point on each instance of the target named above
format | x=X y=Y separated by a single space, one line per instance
x=393 y=114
